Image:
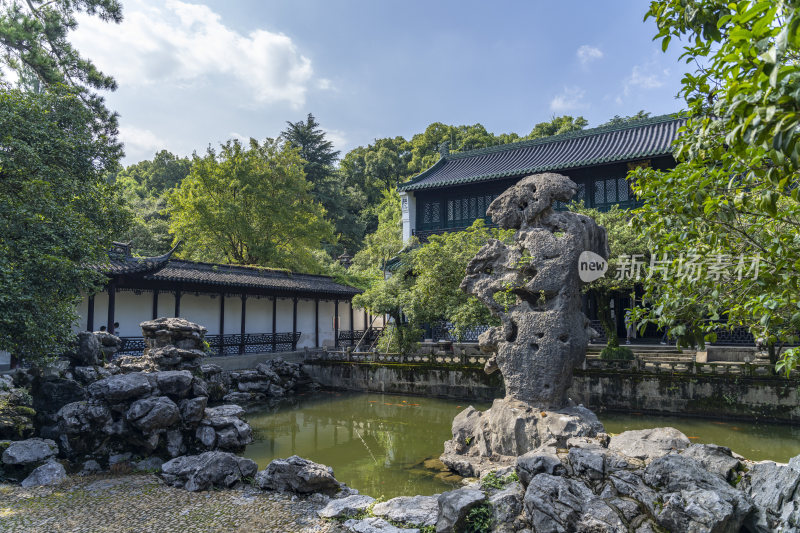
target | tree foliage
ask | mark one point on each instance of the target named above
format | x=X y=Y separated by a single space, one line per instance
x=439 y=267
x=249 y=204
x=625 y=242
x=557 y=126
x=144 y=187
x=342 y=202
x=34 y=38
x=617 y=120
x=57 y=216
x=734 y=192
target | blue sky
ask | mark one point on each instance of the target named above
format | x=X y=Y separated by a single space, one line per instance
x=194 y=74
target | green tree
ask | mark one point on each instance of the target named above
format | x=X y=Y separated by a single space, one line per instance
x=58 y=216
x=734 y=192
x=627 y=247
x=314 y=148
x=619 y=121
x=249 y=205
x=144 y=187
x=34 y=37
x=341 y=203
x=557 y=126
x=386 y=242
x=438 y=267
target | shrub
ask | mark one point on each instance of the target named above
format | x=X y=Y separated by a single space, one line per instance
x=479 y=519
x=616 y=353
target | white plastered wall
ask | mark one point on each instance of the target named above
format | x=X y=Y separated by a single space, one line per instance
x=201 y=309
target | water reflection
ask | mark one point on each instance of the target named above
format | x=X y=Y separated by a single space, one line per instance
x=375 y=443
x=381 y=444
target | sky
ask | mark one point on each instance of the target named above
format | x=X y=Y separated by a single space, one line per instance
x=193 y=75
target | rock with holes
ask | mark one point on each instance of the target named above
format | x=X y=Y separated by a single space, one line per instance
x=533 y=287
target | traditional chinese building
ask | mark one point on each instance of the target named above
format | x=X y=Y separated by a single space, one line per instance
x=246 y=309
x=456 y=190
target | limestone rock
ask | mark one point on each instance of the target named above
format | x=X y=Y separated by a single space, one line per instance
x=540 y=461
x=296 y=474
x=150 y=464
x=773 y=489
x=506 y=504
x=29 y=451
x=717 y=459
x=375 y=525
x=90 y=467
x=413 y=510
x=207 y=470
x=87 y=351
x=544 y=333
x=346 y=507
x=192 y=410
x=694 y=499
x=121 y=387
x=151 y=414
x=176 y=383
x=51 y=395
x=485 y=440
x=16 y=413
x=48 y=474
x=649 y=444
x=454 y=506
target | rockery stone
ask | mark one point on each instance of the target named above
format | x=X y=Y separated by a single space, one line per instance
x=544 y=333
x=296 y=474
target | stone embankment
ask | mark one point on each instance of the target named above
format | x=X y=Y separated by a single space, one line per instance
x=93 y=410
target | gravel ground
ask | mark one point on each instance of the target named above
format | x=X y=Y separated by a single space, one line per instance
x=143 y=503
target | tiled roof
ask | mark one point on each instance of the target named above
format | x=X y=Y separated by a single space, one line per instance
x=121 y=262
x=637 y=140
x=242 y=277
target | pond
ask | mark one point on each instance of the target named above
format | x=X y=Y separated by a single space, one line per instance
x=386 y=445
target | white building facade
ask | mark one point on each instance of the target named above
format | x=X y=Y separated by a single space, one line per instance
x=245 y=309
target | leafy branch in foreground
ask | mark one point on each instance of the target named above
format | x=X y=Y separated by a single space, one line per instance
x=735 y=190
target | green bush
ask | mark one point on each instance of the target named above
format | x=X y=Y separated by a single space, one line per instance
x=616 y=353
x=479 y=519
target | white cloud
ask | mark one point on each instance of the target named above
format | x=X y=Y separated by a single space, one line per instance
x=338 y=138
x=586 y=54
x=643 y=77
x=244 y=139
x=181 y=43
x=141 y=141
x=570 y=99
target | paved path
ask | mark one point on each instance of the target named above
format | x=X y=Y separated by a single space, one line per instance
x=142 y=503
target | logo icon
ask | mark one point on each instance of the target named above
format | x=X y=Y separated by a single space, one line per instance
x=591 y=266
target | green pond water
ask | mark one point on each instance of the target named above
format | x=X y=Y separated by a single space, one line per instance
x=379 y=443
